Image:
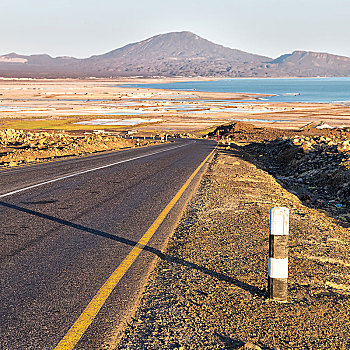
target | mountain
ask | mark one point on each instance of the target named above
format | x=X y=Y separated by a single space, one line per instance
x=176 y=54
x=172 y=54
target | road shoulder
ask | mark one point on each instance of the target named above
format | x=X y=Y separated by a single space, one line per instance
x=209 y=290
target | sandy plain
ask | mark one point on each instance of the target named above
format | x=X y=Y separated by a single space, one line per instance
x=59 y=104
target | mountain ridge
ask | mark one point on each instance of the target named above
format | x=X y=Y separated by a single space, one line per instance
x=176 y=54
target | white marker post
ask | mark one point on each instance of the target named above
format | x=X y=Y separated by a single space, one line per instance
x=278 y=254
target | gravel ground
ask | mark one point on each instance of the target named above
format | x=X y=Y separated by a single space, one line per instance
x=209 y=289
x=20 y=147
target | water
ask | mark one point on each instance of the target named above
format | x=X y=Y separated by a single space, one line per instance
x=119 y=122
x=261 y=120
x=321 y=90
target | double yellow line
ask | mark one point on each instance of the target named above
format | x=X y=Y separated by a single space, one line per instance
x=85 y=319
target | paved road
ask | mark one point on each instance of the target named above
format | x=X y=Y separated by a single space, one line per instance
x=60 y=241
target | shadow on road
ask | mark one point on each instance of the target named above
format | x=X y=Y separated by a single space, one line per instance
x=221 y=277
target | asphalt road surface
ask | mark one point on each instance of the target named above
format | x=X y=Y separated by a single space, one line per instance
x=71 y=227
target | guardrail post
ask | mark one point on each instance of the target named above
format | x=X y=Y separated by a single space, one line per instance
x=278 y=254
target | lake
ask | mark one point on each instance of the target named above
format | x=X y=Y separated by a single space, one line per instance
x=323 y=90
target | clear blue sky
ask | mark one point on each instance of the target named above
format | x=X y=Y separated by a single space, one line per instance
x=82 y=28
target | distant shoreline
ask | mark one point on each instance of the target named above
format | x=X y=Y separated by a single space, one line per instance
x=133 y=79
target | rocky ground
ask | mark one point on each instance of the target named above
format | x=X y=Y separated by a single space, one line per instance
x=316 y=168
x=20 y=147
x=209 y=289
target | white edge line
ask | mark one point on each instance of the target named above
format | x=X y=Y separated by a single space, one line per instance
x=87 y=171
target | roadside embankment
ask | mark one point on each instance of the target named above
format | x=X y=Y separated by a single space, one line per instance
x=209 y=289
x=316 y=168
x=20 y=147
x=311 y=163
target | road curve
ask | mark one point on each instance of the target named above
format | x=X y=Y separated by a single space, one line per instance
x=67 y=225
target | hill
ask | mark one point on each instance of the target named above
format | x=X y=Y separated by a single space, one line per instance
x=38 y=66
x=309 y=64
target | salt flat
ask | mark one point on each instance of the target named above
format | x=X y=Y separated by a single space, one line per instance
x=72 y=104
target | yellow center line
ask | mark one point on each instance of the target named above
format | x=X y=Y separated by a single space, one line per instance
x=85 y=319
